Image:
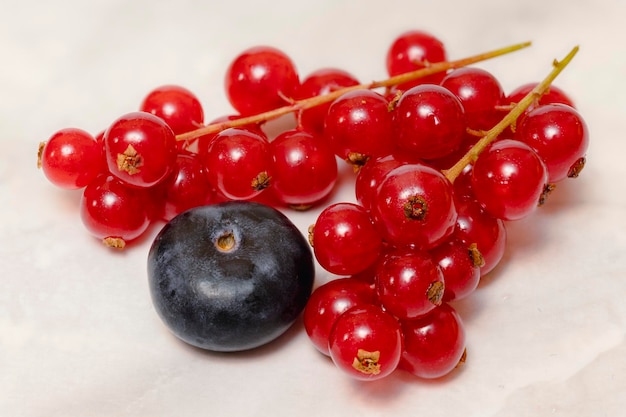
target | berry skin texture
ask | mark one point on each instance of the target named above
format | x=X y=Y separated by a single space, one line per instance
x=328 y=302
x=114 y=212
x=261 y=79
x=508 y=179
x=177 y=106
x=345 y=241
x=433 y=344
x=460 y=267
x=140 y=149
x=414 y=207
x=366 y=343
x=558 y=134
x=71 y=158
x=230 y=276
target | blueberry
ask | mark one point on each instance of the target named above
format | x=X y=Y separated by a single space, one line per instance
x=230 y=276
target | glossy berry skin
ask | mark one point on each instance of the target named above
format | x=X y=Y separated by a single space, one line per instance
x=320 y=82
x=413 y=50
x=460 y=270
x=71 y=158
x=366 y=343
x=328 y=302
x=304 y=169
x=260 y=79
x=409 y=284
x=177 y=106
x=479 y=92
x=345 y=241
x=429 y=123
x=370 y=176
x=553 y=95
x=114 y=212
x=558 y=133
x=508 y=179
x=140 y=149
x=414 y=207
x=474 y=226
x=187 y=187
x=230 y=276
x=238 y=163
x=359 y=126
x=433 y=344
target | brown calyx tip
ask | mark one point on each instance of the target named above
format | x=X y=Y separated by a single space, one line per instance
x=226 y=242
x=357 y=160
x=129 y=161
x=367 y=362
x=575 y=169
x=463 y=358
x=311 y=230
x=547 y=190
x=435 y=292
x=415 y=208
x=475 y=255
x=261 y=181
x=42 y=145
x=114 y=242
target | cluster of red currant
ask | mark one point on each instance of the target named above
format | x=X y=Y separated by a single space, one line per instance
x=443 y=157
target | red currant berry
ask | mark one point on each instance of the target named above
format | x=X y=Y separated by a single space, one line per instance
x=318 y=83
x=409 y=283
x=345 y=241
x=261 y=78
x=479 y=92
x=413 y=50
x=71 y=158
x=559 y=135
x=433 y=344
x=358 y=126
x=366 y=343
x=114 y=212
x=429 y=123
x=553 y=95
x=370 y=176
x=328 y=302
x=177 y=106
x=304 y=169
x=187 y=187
x=478 y=229
x=508 y=179
x=140 y=149
x=460 y=265
x=238 y=163
x=414 y=206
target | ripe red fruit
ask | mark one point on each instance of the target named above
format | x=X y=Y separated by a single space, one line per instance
x=177 y=106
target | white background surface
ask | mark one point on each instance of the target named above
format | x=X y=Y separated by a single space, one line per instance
x=78 y=334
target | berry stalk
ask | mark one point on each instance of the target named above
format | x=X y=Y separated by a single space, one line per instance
x=304 y=104
x=539 y=90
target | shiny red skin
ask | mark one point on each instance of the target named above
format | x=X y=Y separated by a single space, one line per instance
x=508 y=179
x=460 y=273
x=429 y=123
x=110 y=209
x=177 y=106
x=328 y=302
x=366 y=329
x=558 y=133
x=400 y=186
x=259 y=79
x=433 y=344
x=345 y=241
x=304 y=168
x=370 y=176
x=479 y=92
x=320 y=82
x=413 y=50
x=405 y=282
x=72 y=158
x=151 y=138
x=475 y=225
x=360 y=122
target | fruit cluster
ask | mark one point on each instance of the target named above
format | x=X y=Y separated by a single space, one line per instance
x=443 y=158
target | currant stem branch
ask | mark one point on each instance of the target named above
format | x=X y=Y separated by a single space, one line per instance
x=539 y=90
x=304 y=104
